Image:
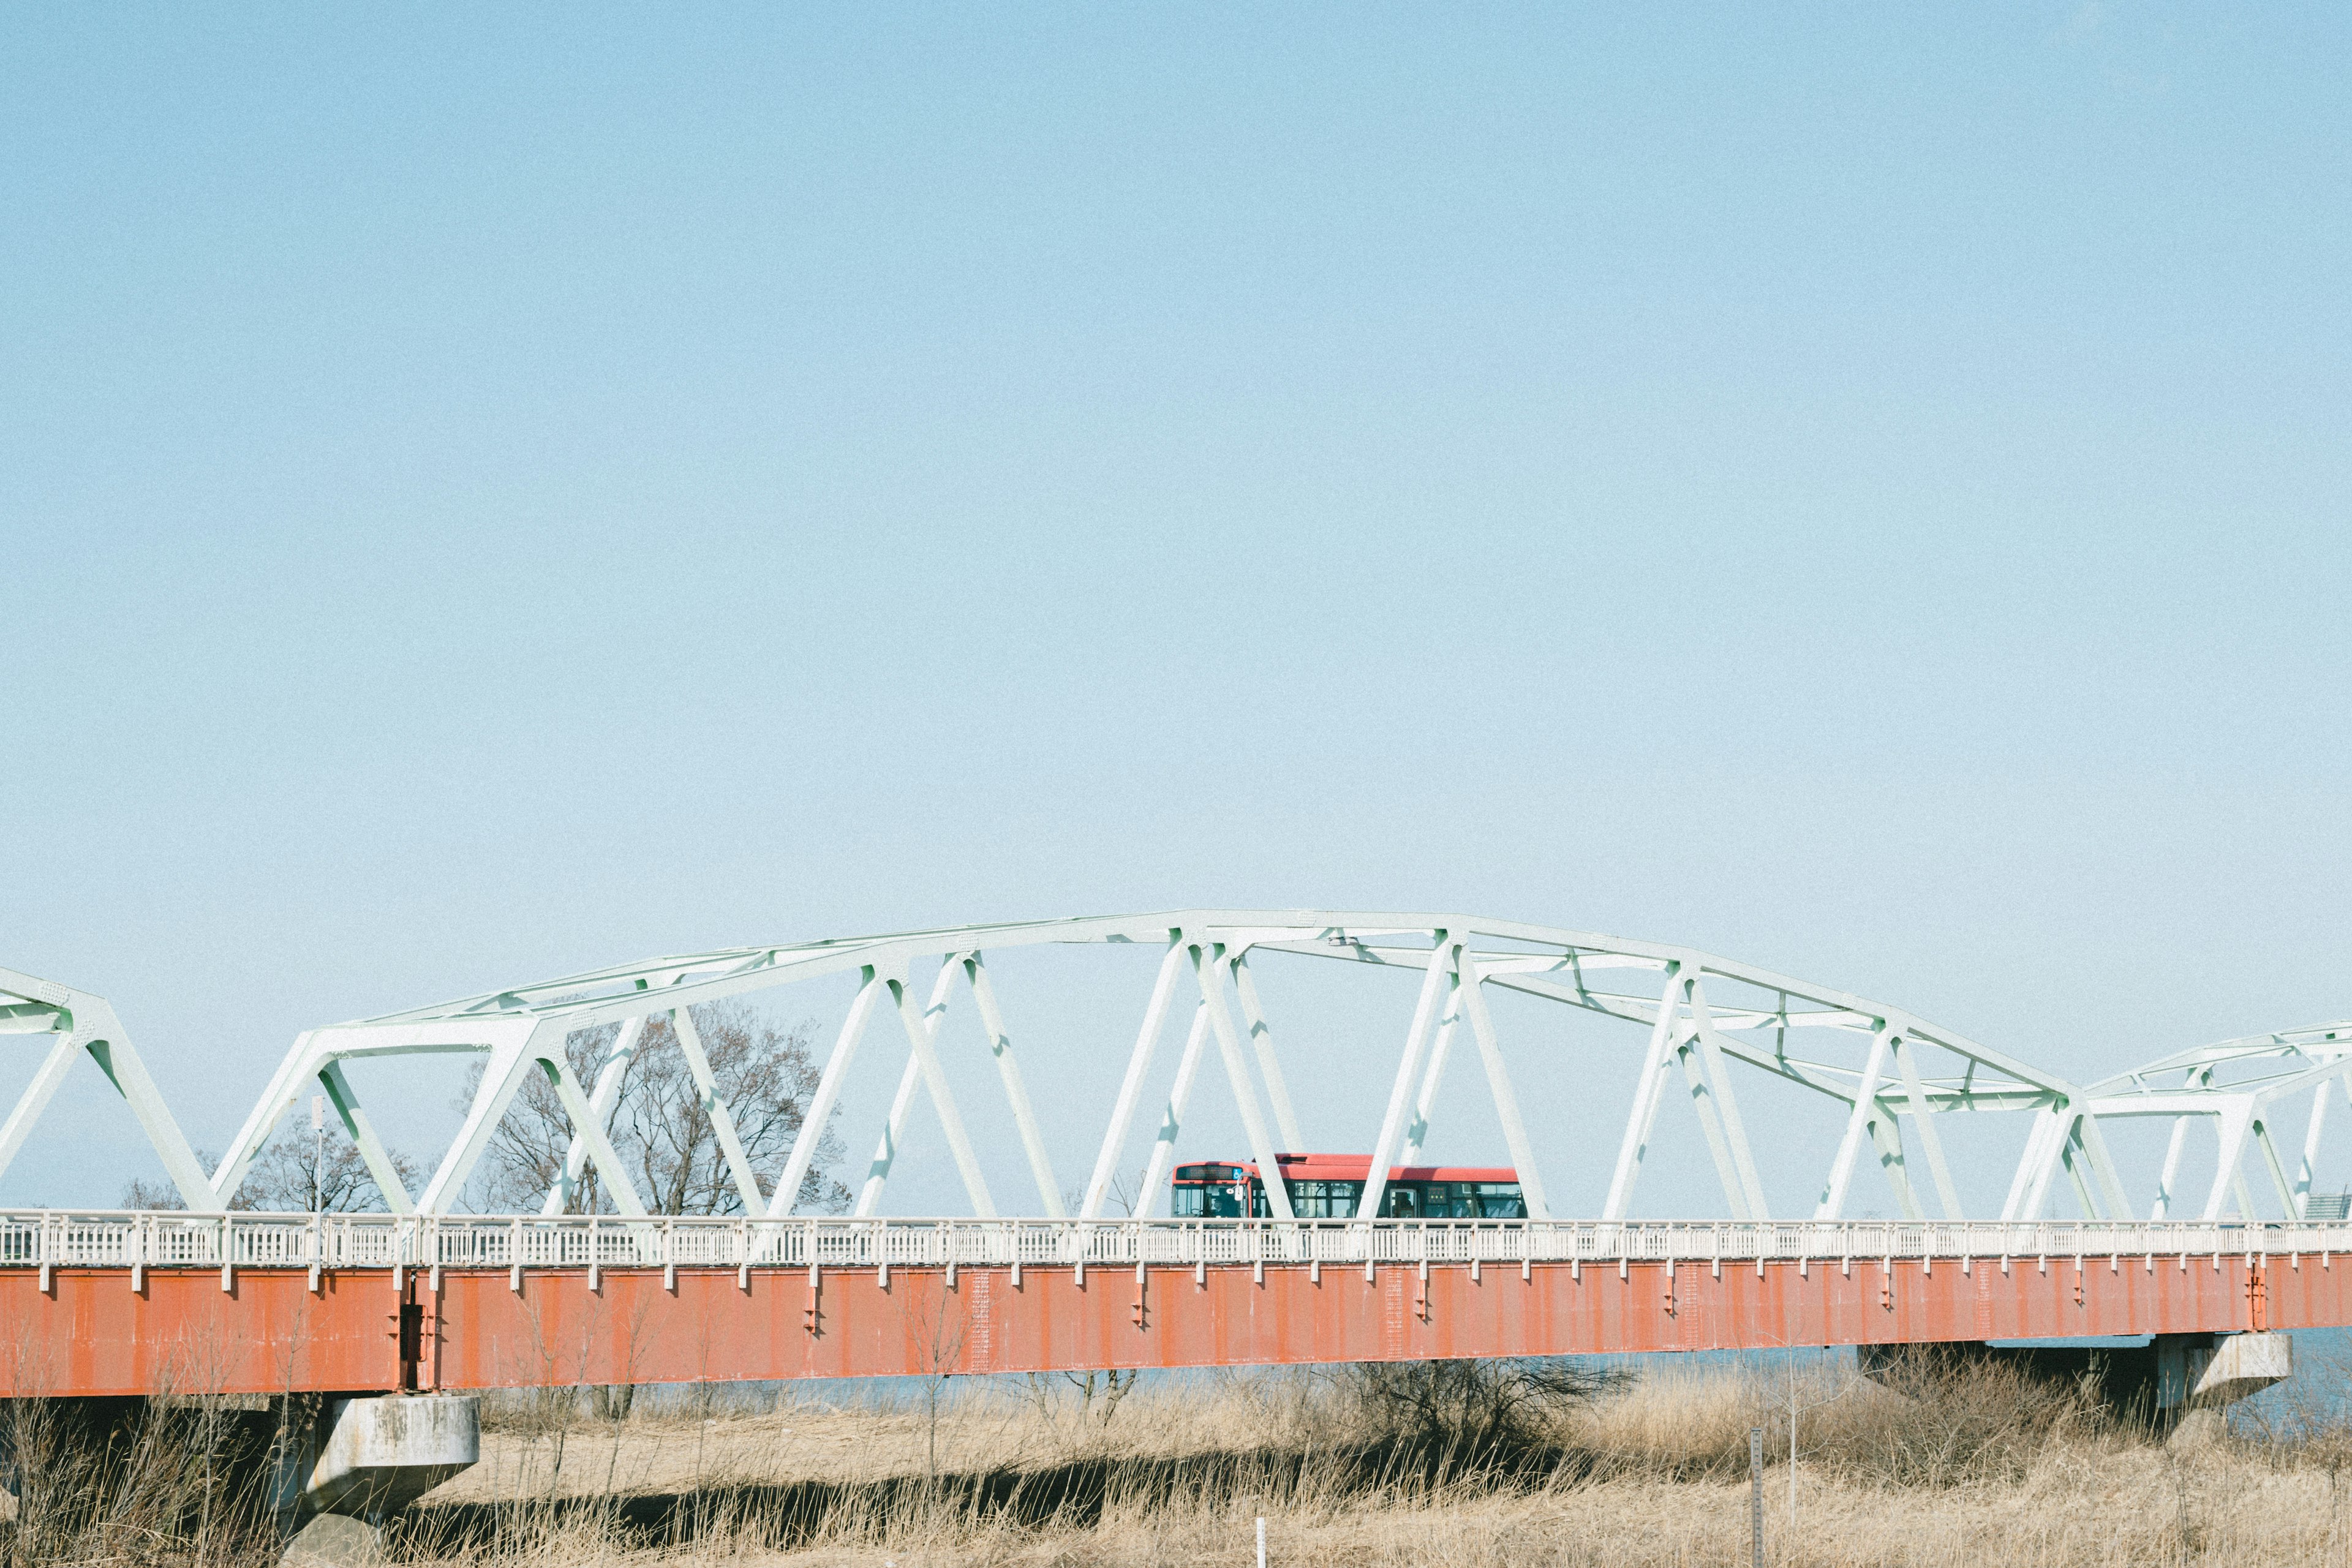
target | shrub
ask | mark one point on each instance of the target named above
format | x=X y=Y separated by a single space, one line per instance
x=1455 y=1414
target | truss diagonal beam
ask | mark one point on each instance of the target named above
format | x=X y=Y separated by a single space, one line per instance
x=1016 y=1094
x=1443 y=954
x=1277 y=1092
x=1506 y=1101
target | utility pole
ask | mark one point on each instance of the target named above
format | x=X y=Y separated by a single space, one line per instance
x=318 y=1152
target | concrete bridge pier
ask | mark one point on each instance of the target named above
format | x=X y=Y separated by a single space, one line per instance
x=2199 y=1376
x=329 y=1467
x=2185 y=1381
x=366 y=1457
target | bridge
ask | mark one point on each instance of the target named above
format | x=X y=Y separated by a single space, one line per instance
x=425 y=1297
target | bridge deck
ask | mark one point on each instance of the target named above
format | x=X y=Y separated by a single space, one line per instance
x=127 y=1304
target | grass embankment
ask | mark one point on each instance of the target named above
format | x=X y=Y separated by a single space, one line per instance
x=1462 y=1465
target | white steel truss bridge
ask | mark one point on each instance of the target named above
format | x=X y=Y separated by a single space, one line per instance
x=1698 y=1028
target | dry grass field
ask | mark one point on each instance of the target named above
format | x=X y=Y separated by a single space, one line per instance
x=1968 y=1466
x=1465 y=1466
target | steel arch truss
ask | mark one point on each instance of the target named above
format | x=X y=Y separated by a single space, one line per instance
x=1700 y=1029
x=2244 y=1088
x=80 y=1023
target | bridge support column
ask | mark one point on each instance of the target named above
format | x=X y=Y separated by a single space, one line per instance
x=2198 y=1376
x=368 y=1457
x=2183 y=1381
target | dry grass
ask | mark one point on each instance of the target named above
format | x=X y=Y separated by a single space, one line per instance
x=1964 y=1465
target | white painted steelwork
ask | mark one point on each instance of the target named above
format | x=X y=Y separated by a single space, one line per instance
x=2242 y=1087
x=80 y=1023
x=1892 y=1076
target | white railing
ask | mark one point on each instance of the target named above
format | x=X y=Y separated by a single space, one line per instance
x=165 y=1240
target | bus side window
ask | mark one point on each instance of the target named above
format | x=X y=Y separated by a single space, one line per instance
x=1501 y=1200
x=1403 y=1201
x=1323 y=1200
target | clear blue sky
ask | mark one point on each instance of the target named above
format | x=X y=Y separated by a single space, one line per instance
x=487 y=492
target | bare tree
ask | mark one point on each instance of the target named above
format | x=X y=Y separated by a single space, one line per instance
x=139 y=1193
x=298 y=1172
x=661 y=1123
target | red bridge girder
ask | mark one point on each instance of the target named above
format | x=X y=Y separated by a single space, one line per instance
x=90 y=1333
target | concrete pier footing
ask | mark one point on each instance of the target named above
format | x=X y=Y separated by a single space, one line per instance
x=369 y=1456
x=2182 y=1380
x=330 y=1468
x=2205 y=1371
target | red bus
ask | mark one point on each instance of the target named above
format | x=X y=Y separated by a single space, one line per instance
x=1327 y=1186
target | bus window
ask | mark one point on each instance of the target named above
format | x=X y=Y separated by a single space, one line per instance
x=1325 y=1200
x=1499 y=1200
x=1455 y=1200
x=1403 y=1202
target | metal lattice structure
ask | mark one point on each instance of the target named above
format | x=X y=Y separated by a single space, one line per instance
x=1700 y=1027
x=2241 y=1087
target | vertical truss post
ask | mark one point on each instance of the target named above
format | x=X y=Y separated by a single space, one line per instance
x=1498 y=1083
x=1857 y=1123
x=602 y=1099
x=1923 y=1117
x=1172 y=1121
x=355 y=1122
x=1130 y=1087
x=1648 y=1090
x=1000 y=1046
x=1207 y=970
x=1277 y=1093
x=828 y=1095
x=722 y=1121
x=1442 y=957
x=1416 y=1132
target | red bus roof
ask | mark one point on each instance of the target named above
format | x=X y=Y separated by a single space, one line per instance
x=1354 y=1168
